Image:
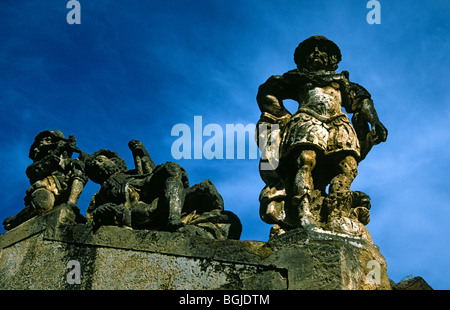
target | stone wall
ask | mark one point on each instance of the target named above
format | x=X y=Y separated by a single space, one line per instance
x=50 y=251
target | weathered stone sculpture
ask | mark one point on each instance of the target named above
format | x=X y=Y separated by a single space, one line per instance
x=155 y=197
x=147 y=228
x=317 y=146
x=55 y=177
x=148 y=197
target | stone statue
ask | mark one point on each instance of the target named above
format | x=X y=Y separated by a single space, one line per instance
x=155 y=197
x=317 y=146
x=55 y=177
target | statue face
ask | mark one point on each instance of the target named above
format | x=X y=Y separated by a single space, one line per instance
x=43 y=148
x=103 y=168
x=318 y=60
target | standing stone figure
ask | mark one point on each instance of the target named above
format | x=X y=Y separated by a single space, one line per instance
x=317 y=147
x=55 y=177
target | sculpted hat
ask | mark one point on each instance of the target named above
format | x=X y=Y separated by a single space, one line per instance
x=305 y=48
x=55 y=134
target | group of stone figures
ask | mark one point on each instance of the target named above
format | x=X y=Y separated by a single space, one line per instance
x=147 y=197
x=314 y=152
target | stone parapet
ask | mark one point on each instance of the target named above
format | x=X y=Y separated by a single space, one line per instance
x=53 y=251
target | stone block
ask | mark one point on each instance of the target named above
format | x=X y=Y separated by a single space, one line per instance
x=35 y=255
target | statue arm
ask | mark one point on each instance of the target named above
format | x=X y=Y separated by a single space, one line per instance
x=379 y=132
x=271 y=94
x=364 y=106
x=142 y=160
x=364 y=113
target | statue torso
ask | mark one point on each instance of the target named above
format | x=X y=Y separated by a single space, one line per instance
x=319 y=94
x=323 y=101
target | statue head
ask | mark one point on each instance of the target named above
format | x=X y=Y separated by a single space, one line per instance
x=103 y=164
x=317 y=53
x=45 y=143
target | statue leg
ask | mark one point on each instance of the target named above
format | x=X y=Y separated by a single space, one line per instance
x=346 y=202
x=303 y=183
x=40 y=201
x=75 y=191
x=173 y=193
x=348 y=169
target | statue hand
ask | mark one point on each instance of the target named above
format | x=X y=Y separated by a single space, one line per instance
x=135 y=145
x=378 y=133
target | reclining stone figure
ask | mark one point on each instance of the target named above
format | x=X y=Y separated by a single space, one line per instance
x=155 y=197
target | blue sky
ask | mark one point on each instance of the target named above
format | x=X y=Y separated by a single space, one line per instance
x=134 y=69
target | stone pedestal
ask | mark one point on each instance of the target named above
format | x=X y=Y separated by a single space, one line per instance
x=321 y=260
x=51 y=251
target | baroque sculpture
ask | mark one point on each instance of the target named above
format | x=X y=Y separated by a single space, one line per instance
x=54 y=176
x=148 y=197
x=155 y=197
x=308 y=163
x=317 y=147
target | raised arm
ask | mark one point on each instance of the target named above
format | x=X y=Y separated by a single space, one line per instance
x=142 y=160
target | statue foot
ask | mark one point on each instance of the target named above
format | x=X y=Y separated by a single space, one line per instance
x=23 y=216
x=276 y=230
x=10 y=222
x=302 y=204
